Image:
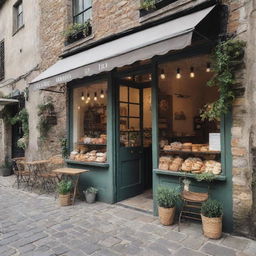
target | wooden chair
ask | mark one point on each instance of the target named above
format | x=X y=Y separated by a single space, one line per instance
x=21 y=171
x=192 y=203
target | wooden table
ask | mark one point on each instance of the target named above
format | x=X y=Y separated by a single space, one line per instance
x=73 y=172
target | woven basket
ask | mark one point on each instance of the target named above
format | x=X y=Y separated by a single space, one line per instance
x=65 y=200
x=166 y=215
x=212 y=227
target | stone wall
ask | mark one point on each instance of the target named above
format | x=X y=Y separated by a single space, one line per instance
x=242 y=24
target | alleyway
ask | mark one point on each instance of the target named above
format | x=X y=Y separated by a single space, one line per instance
x=36 y=225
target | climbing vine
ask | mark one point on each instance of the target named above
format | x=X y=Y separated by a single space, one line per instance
x=44 y=125
x=228 y=58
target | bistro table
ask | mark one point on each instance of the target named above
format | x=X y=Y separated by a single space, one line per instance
x=71 y=172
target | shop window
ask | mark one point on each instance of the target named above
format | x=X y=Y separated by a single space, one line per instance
x=17 y=16
x=82 y=11
x=187 y=143
x=90 y=123
x=2 y=60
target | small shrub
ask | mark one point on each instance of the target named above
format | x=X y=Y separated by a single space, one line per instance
x=64 y=187
x=212 y=209
x=167 y=197
x=148 y=5
x=206 y=176
x=92 y=190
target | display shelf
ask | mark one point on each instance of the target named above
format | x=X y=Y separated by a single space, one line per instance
x=185 y=174
x=95 y=164
x=180 y=152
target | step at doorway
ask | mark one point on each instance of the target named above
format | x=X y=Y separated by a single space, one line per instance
x=142 y=202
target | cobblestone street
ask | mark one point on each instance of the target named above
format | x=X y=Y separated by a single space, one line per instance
x=36 y=225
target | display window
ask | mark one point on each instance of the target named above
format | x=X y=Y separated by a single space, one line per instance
x=187 y=143
x=90 y=123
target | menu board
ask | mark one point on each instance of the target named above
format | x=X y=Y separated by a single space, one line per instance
x=214 y=142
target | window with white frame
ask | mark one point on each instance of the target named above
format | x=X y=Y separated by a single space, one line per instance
x=18 y=16
x=82 y=11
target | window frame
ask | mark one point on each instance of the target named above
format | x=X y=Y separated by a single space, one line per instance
x=75 y=15
x=2 y=60
x=18 y=16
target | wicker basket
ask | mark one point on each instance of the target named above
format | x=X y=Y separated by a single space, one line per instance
x=65 y=200
x=212 y=227
x=166 y=215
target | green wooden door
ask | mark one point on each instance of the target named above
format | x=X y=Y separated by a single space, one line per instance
x=130 y=176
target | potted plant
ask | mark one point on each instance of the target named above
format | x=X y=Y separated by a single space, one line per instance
x=5 y=169
x=167 y=199
x=211 y=214
x=90 y=195
x=64 y=188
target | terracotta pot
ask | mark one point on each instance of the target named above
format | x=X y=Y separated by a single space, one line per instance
x=65 y=200
x=166 y=215
x=212 y=227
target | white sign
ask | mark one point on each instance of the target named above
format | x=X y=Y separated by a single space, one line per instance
x=214 y=142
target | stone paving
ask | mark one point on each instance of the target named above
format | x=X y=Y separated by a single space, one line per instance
x=34 y=225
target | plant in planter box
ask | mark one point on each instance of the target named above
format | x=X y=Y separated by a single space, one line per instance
x=148 y=5
x=167 y=199
x=211 y=213
x=90 y=195
x=77 y=31
x=64 y=188
x=5 y=169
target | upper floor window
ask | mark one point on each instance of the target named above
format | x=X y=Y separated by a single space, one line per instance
x=82 y=11
x=1 y=60
x=17 y=16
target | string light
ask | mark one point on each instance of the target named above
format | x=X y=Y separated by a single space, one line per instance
x=208 y=67
x=82 y=96
x=102 y=94
x=162 y=75
x=78 y=107
x=192 y=73
x=150 y=77
x=178 y=75
x=95 y=96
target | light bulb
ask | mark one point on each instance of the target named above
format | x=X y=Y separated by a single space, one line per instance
x=192 y=73
x=78 y=107
x=150 y=77
x=88 y=97
x=208 y=67
x=95 y=96
x=178 y=75
x=102 y=96
x=162 y=75
x=82 y=96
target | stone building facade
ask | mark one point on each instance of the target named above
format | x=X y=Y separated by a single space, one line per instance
x=109 y=18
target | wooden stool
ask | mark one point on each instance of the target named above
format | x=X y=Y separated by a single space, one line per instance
x=192 y=203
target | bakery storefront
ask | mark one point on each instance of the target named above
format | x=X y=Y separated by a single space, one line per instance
x=134 y=107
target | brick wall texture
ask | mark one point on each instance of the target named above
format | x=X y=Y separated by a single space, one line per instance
x=110 y=17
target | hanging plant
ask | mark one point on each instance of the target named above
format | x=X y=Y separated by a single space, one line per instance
x=228 y=58
x=47 y=119
x=148 y=5
x=22 y=117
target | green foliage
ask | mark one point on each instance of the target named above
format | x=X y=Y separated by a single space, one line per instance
x=148 y=4
x=228 y=58
x=44 y=110
x=64 y=187
x=167 y=197
x=64 y=147
x=77 y=28
x=212 y=209
x=6 y=114
x=92 y=190
x=205 y=176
